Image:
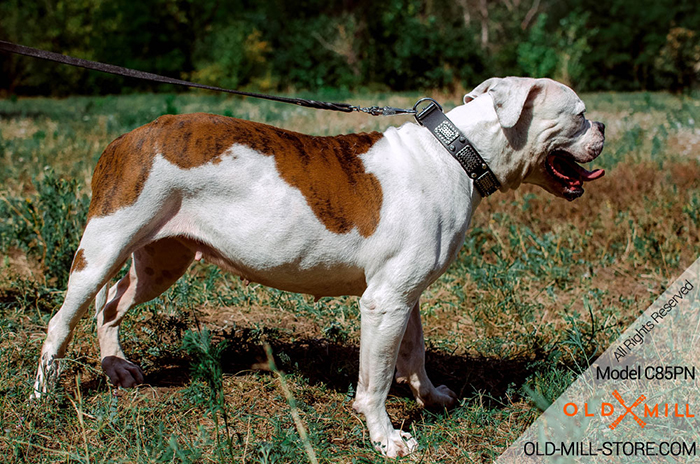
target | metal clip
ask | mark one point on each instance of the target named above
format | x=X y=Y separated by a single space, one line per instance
x=383 y=111
x=373 y=110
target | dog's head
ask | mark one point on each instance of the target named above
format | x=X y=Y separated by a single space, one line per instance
x=546 y=132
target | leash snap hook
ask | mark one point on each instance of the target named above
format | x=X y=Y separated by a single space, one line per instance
x=372 y=110
x=383 y=110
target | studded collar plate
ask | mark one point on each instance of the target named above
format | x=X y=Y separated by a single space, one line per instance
x=433 y=118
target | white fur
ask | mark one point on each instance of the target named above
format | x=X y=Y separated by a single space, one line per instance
x=243 y=216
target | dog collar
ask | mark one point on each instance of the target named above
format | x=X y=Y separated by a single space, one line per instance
x=457 y=144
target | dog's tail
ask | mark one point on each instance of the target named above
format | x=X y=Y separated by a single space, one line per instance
x=101 y=299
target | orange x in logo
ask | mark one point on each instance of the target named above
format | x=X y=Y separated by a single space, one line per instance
x=628 y=410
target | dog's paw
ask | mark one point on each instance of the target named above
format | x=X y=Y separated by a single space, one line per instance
x=444 y=397
x=397 y=444
x=46 y=377
x=121 y=372
x=440 y=397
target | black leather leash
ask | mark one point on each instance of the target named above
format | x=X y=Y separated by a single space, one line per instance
x=432 y=116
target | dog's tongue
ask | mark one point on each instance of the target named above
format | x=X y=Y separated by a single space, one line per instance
x=586 y=175
x=571 y=171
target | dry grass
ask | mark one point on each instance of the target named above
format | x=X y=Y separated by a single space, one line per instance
x=540 y=287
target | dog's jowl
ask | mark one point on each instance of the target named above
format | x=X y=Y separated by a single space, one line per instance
x=380 y=216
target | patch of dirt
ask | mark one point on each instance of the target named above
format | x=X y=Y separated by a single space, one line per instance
x=18 y=265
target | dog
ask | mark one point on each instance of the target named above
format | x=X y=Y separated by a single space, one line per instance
x=376 y=215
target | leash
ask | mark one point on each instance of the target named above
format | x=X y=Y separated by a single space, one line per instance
x=127 y=72
x=432 y=116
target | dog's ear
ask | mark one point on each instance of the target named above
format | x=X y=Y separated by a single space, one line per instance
x=481 y=89
x=509 y=95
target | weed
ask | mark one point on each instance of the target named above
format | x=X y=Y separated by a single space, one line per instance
x=692 y=208
x=301 y=429
x=47 y=225
x=170 y=107
x=206 y=366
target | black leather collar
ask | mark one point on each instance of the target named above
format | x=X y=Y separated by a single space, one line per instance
x=457 y=144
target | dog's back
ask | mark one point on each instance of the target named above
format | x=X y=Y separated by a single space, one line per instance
x=328 y=171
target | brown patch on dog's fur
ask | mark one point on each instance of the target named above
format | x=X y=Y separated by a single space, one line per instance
x=328 y=171
x=79 y=261
x=121 y=172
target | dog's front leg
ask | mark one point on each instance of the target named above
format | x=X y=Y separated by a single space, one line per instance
x=410 y=366
x=383 y=323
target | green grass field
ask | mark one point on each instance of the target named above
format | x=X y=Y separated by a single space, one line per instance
x=540 y=288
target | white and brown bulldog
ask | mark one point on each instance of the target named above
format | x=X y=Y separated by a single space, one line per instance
x=378 y=215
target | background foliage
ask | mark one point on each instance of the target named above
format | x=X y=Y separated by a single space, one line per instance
x=352 y=44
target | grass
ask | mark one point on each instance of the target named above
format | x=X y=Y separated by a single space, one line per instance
x=540 y=288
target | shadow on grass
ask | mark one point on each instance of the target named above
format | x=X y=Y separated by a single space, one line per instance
x=336 y=363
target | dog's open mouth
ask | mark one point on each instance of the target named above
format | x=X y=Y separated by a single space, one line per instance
x=563 y=168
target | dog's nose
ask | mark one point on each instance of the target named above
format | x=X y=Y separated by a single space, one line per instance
x=601 y=126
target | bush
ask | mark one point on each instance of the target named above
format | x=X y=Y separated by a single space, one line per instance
x=557 y=55
x=315 y=44
x=678 y=64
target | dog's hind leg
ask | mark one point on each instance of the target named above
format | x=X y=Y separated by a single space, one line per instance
x=154 y=268
x=99 y=256
x=410 y=367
